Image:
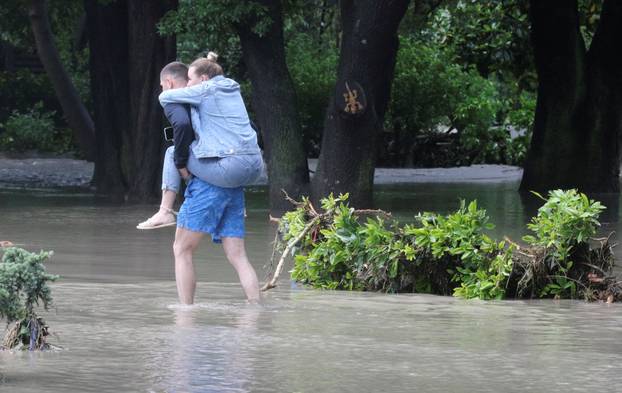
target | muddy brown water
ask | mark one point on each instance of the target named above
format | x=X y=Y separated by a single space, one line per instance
x=117 y=319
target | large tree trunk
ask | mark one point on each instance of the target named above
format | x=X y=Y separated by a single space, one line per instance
x=274 y=102
x=366 y=64
x=578 y=113
x=602 y=127
x=126 y=58
x=149 y=53
x=109 y=58
x=75 y=113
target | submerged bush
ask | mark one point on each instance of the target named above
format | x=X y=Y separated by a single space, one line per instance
x=479 y=264
x=23 y=286
x=344 y=248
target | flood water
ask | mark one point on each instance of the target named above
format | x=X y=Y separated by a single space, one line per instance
x=117 y=319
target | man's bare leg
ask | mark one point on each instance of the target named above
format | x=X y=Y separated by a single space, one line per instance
x=186 y=242
x=236 y=254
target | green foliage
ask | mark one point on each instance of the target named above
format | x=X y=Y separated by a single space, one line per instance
x=379 y=255
x=313 y=69
x=33 y=130
x=448 y=252
x=492 y=35
x=432 y=93
x=423 y=93
x=348 y=254
x=481 y=266
x=566 y=219
x=209 y=25
x=563 y=225
x=22 y=90
x=18 y=89
x=520 y=118
x=23 y=283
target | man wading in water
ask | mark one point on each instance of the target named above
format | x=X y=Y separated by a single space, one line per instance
x=222 y=158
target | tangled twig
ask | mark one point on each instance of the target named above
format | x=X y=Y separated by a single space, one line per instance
x=279 y=267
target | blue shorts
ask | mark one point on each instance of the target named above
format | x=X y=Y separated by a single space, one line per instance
x=211 y=209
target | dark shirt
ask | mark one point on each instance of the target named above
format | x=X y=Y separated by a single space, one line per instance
x=183 y=134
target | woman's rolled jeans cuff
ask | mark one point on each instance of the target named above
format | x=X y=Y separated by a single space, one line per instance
x=226 y=172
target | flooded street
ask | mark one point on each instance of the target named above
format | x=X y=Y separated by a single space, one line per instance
x=117 y=319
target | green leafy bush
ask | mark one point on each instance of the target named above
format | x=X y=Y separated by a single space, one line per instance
x=376 y=254
x=521 y=117
x=451 y=253
x=566 y=219
x=432 y=94
x=18 y=88
x=479 y=264
x=33 y=130
x=564 y=224
x=348 y=254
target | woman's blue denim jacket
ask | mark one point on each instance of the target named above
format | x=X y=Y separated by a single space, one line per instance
x=219 y=118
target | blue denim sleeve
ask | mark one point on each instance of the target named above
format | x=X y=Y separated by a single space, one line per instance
x=186 y=95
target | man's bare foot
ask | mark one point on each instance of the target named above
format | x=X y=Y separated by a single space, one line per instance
x=165 y=217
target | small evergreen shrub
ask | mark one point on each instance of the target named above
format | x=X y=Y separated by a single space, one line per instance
x=24 y=286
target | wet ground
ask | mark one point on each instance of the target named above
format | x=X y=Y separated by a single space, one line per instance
x=66 y=172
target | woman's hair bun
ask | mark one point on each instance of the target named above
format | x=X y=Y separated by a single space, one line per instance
x=212 y=56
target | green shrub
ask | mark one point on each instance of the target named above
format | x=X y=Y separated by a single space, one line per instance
x=451 y=253
x=562 y=228
x=379 y=255
x=431 y=93
x=313 y=70
x=521 y=117
x=33 y=130
x=566 y=219
x=23 y=287
x=18 y=89
x=23 y=283
x=348 y=254
x=481 y=266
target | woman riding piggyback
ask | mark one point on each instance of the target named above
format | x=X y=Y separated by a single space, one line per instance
x=222 y=128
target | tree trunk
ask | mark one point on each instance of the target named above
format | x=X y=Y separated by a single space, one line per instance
x=356 y=111
x=75 y=113
x=274 y=102
x=108 y=63
x=578 y=112
x=602 y=126
x=126 y=56
x=149 y=54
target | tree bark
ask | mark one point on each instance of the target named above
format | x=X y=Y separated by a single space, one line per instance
x=577 y=124
x=274 y=102
x=367 y=59
x=75 y=113
x=149 y=53
x=108 y=63
x=126 y=56
x=602 y=126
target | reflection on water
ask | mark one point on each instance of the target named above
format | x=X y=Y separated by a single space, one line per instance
x=117 y=319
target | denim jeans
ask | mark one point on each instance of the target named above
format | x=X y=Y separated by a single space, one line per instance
x=228 y=172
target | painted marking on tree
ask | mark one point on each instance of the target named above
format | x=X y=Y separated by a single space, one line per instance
x=353 y=98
